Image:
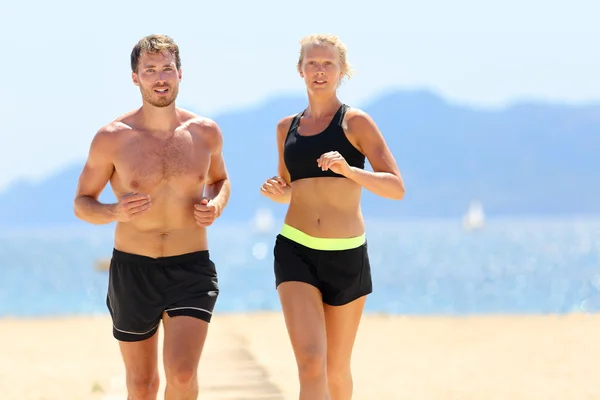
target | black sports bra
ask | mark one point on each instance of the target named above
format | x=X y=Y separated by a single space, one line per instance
x=300 y=153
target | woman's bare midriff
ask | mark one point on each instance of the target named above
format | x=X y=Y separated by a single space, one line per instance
x=326 y=208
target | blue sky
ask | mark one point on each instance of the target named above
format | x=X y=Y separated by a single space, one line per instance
x=66 y=63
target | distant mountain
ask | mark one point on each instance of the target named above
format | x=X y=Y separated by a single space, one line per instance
x=533 y=158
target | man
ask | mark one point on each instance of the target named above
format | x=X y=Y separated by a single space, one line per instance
x=159 y=160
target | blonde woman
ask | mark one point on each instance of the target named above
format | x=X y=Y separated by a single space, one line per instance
x=322 y=268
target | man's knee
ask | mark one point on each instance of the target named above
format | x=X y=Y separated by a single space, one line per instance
x=143 y=387
x=182 y=377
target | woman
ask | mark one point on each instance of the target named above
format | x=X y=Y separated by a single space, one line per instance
x=322 y=269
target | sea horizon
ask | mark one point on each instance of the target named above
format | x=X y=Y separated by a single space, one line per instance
x=513 y=265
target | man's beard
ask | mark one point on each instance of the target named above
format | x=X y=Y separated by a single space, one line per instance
x=159 y=101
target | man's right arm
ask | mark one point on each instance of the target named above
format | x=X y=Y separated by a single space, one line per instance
x=93 y=179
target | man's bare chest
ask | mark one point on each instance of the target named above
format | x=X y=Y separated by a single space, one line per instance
x=147 y=163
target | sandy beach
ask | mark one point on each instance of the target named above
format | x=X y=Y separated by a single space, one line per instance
x=248 y=357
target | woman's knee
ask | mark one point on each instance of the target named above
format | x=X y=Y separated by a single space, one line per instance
x=312 y=360
x=142 y=386
x=339 y=374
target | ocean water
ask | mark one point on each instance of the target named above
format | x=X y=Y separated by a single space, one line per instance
x=418 y=267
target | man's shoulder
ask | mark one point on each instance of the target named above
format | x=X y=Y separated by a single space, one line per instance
x=123 y=123
x=204 y=125
x=115 y=128
x=198 y=124
x=112 y=132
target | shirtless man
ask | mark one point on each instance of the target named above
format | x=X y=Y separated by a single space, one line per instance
x=166 y=168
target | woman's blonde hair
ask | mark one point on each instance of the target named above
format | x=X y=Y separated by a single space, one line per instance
x=322 y=39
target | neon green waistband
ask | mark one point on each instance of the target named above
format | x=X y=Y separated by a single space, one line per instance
x=321 y=243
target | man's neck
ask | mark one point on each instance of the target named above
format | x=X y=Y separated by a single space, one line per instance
x=159 y=119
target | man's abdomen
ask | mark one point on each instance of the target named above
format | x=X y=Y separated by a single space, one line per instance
x=167 y=228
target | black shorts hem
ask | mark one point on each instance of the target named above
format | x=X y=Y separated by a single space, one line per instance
x=201 y=314
x=308 y=282
x=330 y=302
x=133 y=337
x=347 y=300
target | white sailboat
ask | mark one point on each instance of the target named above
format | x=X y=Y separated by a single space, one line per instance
x=474 y=218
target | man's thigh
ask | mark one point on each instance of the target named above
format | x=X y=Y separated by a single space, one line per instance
x=140 y=359
x=184 y=338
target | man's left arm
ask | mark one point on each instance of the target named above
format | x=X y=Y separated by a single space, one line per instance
x=217 y=187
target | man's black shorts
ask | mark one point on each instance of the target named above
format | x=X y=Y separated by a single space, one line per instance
x=141 y=288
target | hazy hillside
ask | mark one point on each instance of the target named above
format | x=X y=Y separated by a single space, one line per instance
x=527 y=159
